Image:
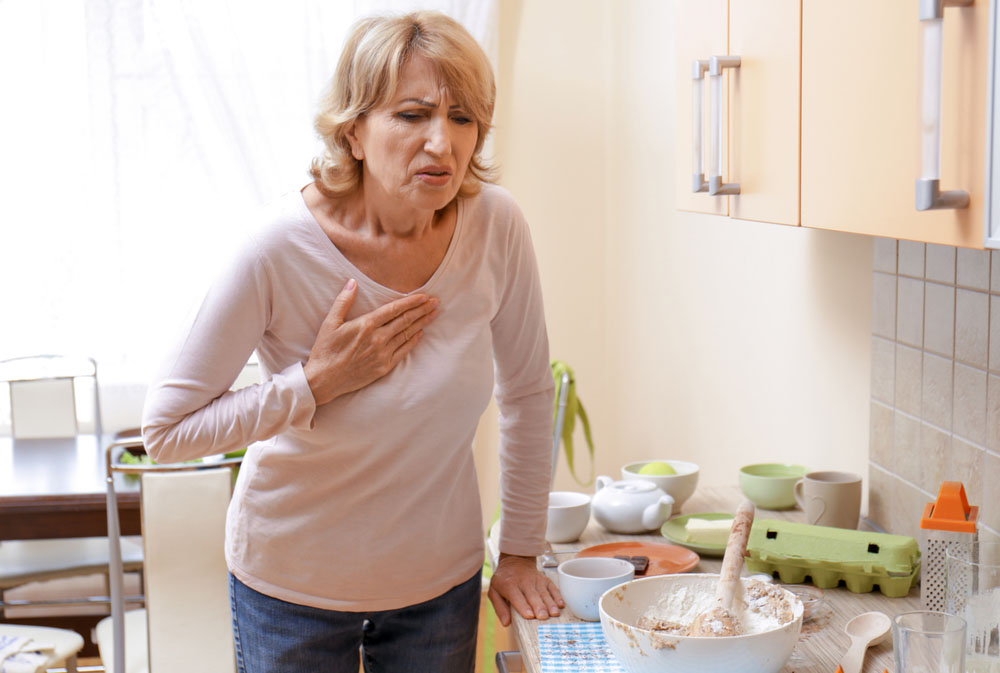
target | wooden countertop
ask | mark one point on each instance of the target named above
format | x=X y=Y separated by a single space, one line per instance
x=823 y=641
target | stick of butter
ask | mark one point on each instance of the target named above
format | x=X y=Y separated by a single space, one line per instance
x=705 y=531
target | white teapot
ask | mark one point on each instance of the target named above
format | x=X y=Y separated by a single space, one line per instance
x=630 y=506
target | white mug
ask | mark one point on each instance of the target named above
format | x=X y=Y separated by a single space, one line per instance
x=830 y=498
x=582 y=582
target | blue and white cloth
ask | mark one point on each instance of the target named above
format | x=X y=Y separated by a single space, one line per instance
x=576 y=648
x=22 y=655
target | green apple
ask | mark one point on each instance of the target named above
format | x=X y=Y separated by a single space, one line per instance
x=657 y=467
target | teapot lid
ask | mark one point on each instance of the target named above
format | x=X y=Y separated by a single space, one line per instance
x=633 y=486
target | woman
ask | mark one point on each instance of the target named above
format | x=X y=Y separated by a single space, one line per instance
x=386 y=301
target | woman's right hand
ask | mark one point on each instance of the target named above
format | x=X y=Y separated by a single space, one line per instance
x=350 y=354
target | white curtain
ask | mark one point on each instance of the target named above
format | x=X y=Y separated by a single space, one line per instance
x=134 y=135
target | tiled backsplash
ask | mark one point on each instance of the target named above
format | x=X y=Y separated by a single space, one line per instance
x=935 y=407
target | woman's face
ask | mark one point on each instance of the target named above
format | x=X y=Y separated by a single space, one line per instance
x=417 y=148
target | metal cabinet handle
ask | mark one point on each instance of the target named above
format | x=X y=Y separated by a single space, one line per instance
x=716 y=64
x=698 y=69
x=928 y=194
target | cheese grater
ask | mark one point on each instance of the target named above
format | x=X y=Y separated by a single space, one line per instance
x=949 y=519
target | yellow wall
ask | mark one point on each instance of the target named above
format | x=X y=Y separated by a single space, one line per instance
x=693 y=337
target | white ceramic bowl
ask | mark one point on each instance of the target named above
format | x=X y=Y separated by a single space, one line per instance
x=680 y=485
x=569 y=514
x=645 y=651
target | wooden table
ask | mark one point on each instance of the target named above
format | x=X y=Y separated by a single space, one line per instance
x=823 y=640
x=55 y=488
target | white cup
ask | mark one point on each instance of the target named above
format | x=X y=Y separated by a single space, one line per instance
x=569 y=514
x=582 y=582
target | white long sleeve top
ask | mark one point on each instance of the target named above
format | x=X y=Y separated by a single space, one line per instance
x=369 y=502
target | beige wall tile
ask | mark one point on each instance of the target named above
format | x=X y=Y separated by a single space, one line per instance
x=880 y=441
x=930 y=467
x=911 y=259
x=883 y=369
x=941 y=263
x=939 y=319
x=967 y=463
x=879 y=497
x=993 y=414
x=910 y=312
x=994 y=271
x=884 y=305
x=989 y=512
x=905 y=443
x=936 y=391
x=908 y=379
x=973 y=269
x=884 y=255
x=972 y=327
x=969 y=406
x=907 y=507
x=995 y=331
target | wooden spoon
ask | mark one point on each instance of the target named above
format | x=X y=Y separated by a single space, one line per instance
x=865 y=630
x=721 y=619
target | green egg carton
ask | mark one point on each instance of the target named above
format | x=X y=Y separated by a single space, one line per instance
x=828 y=555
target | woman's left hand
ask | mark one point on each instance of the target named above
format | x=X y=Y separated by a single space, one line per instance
x=517 y=582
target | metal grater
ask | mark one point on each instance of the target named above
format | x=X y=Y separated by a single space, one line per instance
x=949 y=519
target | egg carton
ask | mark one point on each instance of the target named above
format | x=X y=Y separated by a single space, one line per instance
x=829 y=556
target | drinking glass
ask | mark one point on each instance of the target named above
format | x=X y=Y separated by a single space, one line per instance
x=929 y=642
x=973 y=592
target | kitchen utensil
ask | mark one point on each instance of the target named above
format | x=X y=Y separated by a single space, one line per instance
x=949 y=519
x=548 y=557
x=864 y=630
x=664 y=559
x=973 y=593
x=630 y=506
x=830 y=498
x=723 y=619
x=811 y=597
x=771 y=485
x=679 y=486
x=646 y=651
x=828 y=555
x=583 y=580
x=929 y=642
x=675 y=530
x=568 y=516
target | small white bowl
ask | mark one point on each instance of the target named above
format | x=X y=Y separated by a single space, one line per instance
x=646 y=651
x=680 y=485
x=582 y=581
x=569 y=514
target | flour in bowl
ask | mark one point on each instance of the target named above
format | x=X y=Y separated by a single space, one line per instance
x=764 y=607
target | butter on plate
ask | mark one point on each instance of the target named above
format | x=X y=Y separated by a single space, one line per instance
x=706 y=531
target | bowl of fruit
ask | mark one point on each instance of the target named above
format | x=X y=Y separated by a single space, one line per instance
x=677 y=478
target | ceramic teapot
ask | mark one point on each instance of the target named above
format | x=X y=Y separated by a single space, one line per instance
x=630 y=506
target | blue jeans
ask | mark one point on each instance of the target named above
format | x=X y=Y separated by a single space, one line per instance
x=437 y=636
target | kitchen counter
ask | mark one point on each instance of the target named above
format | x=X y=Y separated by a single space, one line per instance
x=822 y=642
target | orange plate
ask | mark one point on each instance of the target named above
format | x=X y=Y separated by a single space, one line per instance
x=664 y=559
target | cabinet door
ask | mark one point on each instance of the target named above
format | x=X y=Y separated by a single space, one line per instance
x=701 y=29
x=764 y=110
x=861 y=75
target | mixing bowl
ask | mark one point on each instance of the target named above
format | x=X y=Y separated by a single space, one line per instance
x=680 y=486
x=645 y=651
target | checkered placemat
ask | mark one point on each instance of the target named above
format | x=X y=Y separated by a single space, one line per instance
x=580 y=648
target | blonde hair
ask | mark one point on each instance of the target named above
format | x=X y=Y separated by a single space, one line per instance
x=368 y=74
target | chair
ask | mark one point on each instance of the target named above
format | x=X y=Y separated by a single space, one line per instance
x=52 y=396
x=186 y=624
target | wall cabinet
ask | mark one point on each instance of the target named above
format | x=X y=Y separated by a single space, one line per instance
x=823 y=116
x=759 y=106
